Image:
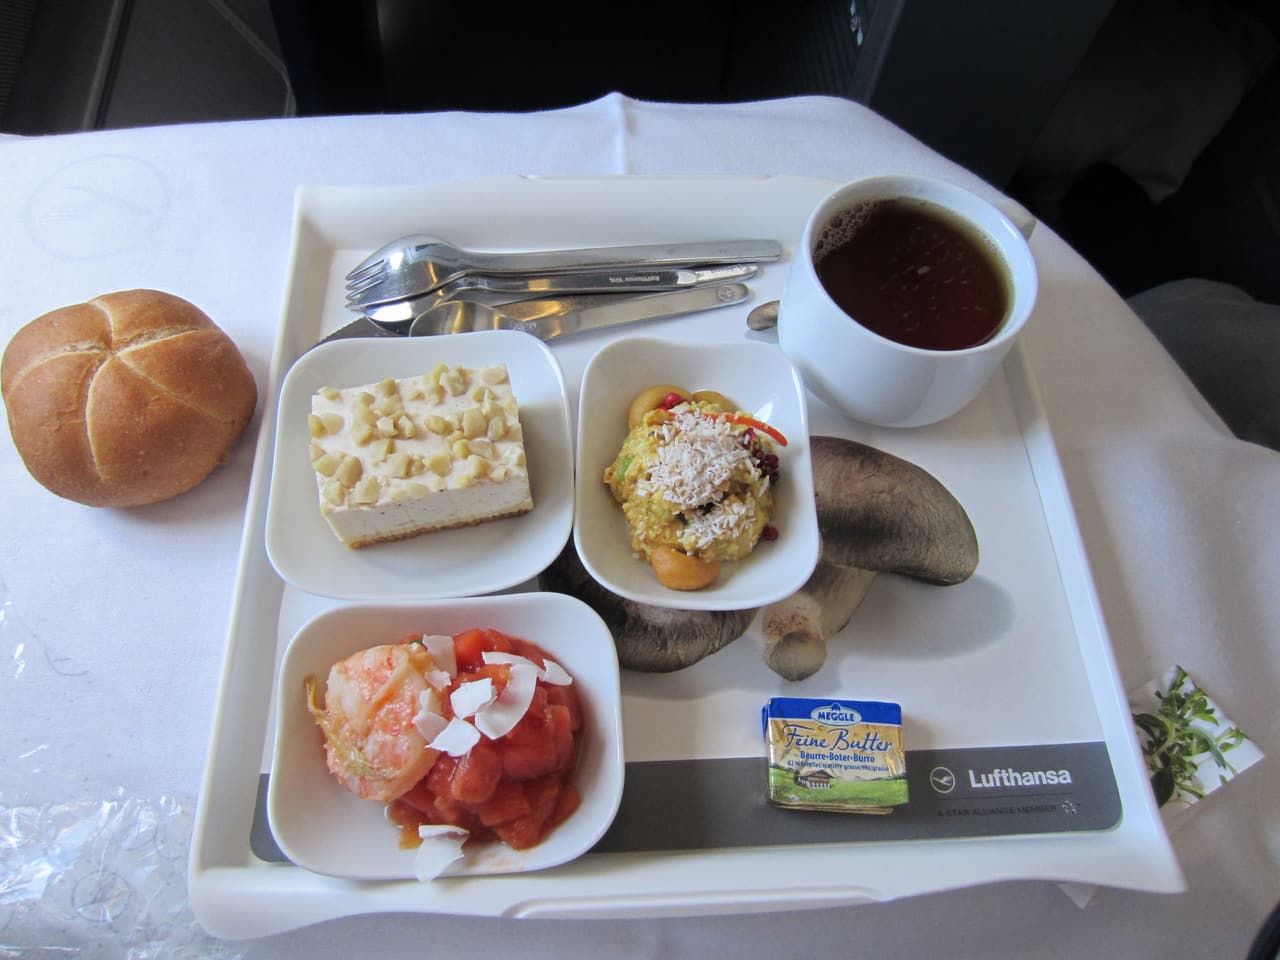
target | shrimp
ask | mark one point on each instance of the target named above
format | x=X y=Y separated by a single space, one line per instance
x=371 y=744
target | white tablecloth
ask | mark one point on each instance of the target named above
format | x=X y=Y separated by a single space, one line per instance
x=113 y=623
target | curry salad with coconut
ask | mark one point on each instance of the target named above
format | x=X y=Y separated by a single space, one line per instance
x=695 y=479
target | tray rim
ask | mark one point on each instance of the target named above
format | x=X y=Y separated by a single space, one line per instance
x=235 y=895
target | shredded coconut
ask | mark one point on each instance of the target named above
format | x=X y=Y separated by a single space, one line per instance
x=722 y=520
x=696 y=455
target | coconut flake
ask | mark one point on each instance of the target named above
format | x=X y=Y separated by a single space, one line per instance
x=456 y=739
x=438 y=679
x=497 y=656
x=550 y=672
x=441 y=846
x=441 y=649
x=471 y=696
x=555 y=674
x=428 y=719
x=500 y=717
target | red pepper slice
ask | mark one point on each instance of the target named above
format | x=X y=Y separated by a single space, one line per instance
x=744 y=420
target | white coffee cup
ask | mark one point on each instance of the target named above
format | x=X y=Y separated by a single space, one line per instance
x=874 y=379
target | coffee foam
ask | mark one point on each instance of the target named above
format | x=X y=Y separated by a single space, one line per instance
x=840 y=229
x=843 y=224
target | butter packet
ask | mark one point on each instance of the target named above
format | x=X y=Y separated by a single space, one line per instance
x=842 y=756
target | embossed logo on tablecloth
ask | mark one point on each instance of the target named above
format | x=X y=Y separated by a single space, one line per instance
x=97 y=206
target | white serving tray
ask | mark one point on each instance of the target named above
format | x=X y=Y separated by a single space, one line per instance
x=1017 y=655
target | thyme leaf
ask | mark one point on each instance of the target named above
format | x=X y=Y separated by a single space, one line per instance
x=1173 y=745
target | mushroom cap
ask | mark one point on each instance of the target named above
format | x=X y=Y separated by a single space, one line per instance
x=649 y=638
x=880 y=512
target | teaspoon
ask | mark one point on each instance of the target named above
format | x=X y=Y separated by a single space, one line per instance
x=764 y=316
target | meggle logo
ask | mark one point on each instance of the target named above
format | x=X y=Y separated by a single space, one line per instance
x=836 y=716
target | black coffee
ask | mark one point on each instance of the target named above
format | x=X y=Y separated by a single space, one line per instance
x=912 y=272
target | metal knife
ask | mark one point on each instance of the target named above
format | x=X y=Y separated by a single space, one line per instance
x=551 y=317
x=563 y=316
x=399 y=316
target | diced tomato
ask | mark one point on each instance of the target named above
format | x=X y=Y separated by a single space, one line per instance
x=567 y=696
x=528 y=761
x=567 y=801
x=476 y=775
x=529 y=750
x=498 y=641
x=520 y=833
x=506 y=803
x=422 y=799
x=530 y=651
x=538 y=705
x=527 y=831
x=530 y=755
x=499 y=673
x=535 y=718
x=542 y=795
x=468 y=649
x=515 y=788
x=561 y=728
x=438 y=781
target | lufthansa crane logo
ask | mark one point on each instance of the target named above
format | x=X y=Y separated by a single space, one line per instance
x=942 y=780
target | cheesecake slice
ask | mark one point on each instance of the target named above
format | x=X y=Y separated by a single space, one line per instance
x=402 y=457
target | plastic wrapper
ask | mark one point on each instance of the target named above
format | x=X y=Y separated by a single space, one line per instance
x=86 y=877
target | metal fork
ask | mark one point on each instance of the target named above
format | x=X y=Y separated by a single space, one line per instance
x=419 y=264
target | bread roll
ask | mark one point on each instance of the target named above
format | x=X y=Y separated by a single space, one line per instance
x=128 y=399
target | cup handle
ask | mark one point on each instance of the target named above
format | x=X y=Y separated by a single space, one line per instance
x=1020 y=216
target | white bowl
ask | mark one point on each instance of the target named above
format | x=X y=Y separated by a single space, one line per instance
x=321 y=826
x=484 y=558
x=758 y=378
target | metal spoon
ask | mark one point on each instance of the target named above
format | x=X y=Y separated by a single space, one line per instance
x=421 y=263
x=558 y=317
x=764 y=316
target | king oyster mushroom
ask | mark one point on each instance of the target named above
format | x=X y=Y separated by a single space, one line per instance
x=796 y=629
x=649 y=639
x=877 y=513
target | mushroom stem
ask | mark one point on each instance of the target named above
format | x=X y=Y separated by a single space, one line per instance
x=797 y=628
x=649 y=639
x=877 y=513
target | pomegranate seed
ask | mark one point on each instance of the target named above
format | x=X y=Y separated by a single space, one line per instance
x=770 y=532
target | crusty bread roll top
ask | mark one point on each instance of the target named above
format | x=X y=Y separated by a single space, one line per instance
x=128 y=399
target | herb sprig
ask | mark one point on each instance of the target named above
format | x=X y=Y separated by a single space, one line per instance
x=1174 y=743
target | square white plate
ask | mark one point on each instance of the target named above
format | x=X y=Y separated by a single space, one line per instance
x=472 y=560
x=321 y=826
x=761 y=381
